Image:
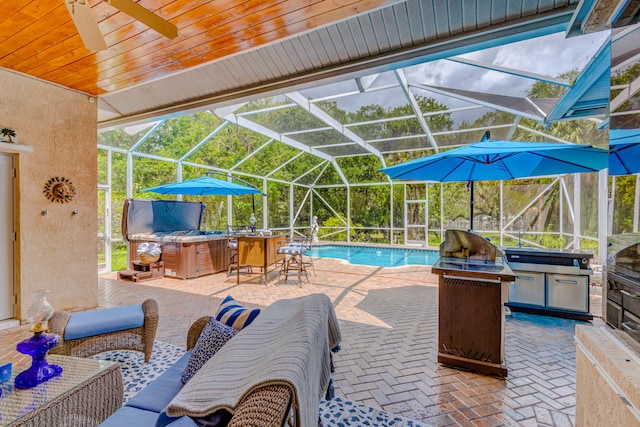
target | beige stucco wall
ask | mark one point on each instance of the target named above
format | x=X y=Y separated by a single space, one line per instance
x=607 y=378
x=59 y=251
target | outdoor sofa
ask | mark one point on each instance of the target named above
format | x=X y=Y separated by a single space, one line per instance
x=274 y=370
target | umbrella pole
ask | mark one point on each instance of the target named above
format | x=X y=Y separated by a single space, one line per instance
x=471 y=205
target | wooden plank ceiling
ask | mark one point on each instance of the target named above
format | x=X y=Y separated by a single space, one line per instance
x=230 y=48
x=37 y=37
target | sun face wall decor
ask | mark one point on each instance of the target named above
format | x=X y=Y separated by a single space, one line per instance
x=59 y=190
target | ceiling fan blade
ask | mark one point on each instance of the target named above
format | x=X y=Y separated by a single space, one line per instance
x=86 y=24
x=145 y=16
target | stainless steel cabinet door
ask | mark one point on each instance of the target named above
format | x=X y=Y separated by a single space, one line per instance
x=568 y=292
x=528 y=288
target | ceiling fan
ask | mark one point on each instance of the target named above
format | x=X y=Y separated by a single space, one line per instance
x=89 y=31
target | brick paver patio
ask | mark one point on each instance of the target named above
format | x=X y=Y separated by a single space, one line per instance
x=388 y=318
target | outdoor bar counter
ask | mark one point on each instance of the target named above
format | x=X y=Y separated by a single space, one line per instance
x=260 y=252
x=471 y=293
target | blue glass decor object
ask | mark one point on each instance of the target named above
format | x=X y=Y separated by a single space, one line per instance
x=38 y=345
x=40 y=371
x=5 y=372
x=5 y=375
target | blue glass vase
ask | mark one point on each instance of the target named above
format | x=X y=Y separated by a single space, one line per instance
x=40 y=371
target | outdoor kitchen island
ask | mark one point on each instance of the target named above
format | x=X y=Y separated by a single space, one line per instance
x=552 y=282
x=472 y=288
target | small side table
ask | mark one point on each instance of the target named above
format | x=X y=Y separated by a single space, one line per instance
x=87 y=393
x=142 y=272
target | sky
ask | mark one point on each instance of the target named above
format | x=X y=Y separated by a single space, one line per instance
x=549 y=55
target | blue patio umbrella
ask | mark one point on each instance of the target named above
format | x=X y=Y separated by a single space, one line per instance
x=206 y=186
x=489 y=160
x=624 y=151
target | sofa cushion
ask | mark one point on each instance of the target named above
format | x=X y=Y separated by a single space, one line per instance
x=213 y=337
x=127 y=417
x=233 y=314
x=157 y=395
x=95 y=322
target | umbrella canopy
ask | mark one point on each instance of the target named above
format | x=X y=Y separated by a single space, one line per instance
x=204 y=186
x=624 y=151
x=497 y=160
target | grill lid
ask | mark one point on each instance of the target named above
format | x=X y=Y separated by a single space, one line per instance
x=623 y=254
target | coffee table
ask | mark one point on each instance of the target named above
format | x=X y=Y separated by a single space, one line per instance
x=87 y=392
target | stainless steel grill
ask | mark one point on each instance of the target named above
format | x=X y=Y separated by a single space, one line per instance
x=623 y=284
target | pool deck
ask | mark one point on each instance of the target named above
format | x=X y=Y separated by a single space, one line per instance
x=389 y=319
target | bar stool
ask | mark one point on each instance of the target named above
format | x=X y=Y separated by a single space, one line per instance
x=294 y=252
x=232 y=244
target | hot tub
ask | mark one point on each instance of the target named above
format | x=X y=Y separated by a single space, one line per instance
x=187 y=251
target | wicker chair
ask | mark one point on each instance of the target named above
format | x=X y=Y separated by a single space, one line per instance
x=138 y=339
x=267 y=406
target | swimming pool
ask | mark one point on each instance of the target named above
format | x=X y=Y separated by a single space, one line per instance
x=376 y=256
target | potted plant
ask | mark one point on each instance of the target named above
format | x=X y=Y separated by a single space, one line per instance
x=8 y=133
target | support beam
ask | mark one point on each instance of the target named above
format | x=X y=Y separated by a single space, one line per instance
x=404 y=84
x=318 y=113
x=603 y=178
x=576 y=206
x=511 y=71
x=246 y=123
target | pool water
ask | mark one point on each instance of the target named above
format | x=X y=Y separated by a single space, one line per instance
x=376 y=256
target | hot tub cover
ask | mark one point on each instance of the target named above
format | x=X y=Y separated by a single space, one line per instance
x=153 y=216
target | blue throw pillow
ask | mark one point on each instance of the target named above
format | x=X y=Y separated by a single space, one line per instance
x=214 y=335
x=233 y=314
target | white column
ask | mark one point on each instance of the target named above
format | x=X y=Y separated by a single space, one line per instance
x=265 y=205
x=129 y=174
x=348 y=213
x=405 y=213
x=603 y=176
x=426 y=216
x=391 y=213
x=577 y=209
x=501 y=213
x=291 y=210
x=636 y=205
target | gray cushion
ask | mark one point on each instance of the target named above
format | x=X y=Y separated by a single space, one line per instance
x=162 y=390
x=213 y=337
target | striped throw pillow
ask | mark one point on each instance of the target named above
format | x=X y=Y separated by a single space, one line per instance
x=233 y=314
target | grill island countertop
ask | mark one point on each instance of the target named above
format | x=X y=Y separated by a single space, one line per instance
x=474 y=268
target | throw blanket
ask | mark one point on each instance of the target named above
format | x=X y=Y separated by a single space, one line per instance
x=289 y=343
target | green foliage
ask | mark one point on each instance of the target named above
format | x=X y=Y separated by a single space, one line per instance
x=204 y=140
x=623 y=203
x=542 y=89
x=331 y=225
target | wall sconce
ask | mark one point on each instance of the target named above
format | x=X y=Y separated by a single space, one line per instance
x=45 y=212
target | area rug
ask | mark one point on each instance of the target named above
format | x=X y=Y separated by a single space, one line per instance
x=337 y=412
